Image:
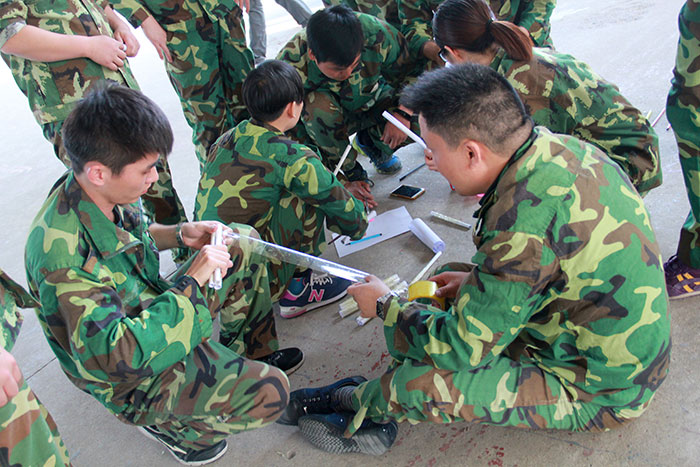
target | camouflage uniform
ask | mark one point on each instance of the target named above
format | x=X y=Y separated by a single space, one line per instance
x=333 y=110
x=386 y=10
x=54 y=88
x=566 y=96
x=141 y=345
x=546 y=331
x=28 y=434
x=682 y=110
x=416 y=18
x=281 y=188
x=210 y=61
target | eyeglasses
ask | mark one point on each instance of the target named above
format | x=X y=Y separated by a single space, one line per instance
x=443 y=54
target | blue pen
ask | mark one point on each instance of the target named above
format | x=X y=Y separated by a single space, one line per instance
x=366 y=238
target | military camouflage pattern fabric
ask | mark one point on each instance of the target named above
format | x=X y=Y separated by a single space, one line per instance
x=28 y=434
x=210 y=61
x=416 y=17
x=546 y=331
x=386 y=10
x=256 y=176
x=333 y=110
x=53 y=88
x=129 y=337
x=682 y=111
x=567 y=96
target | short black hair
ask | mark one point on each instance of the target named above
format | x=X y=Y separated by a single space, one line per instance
x=335 y=35
x=468 y=101
x=270 y=87
x=116 y=126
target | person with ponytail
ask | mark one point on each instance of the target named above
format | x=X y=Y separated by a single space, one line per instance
x=560 y=92
x=532 y=15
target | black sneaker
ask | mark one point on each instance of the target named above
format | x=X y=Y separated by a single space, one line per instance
x=314 y=400
x=325 y=431
x=186 y=456
x=287 y=360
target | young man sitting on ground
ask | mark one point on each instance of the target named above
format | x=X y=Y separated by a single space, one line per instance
x=140 y=344
x=561 y=322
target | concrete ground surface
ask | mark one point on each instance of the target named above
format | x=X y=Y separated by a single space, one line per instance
x=630 y=42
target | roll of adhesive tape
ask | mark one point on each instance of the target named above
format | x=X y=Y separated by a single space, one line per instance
x=424 y=292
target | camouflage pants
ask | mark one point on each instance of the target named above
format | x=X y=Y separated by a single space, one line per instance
x=28 y=434
x=215 y=391
x=161 y=202
x=504 y=392
x=210 y=63
x=682 y=111
x=329 y=125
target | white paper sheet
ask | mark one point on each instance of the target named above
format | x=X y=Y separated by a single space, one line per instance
x=389 y=225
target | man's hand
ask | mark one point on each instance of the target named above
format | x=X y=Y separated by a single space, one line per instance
x=362 y=191
x=10 y=377
x=209 y=259
x=449 y=283
x=392 y=136
x=431 y=51
x=366 y=295
x=123 y=34
x=244 y=5
x=157 y=36
x=108 y=52
x=198 y=234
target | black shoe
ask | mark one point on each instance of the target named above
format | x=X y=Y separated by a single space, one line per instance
x=325 y=431
x=358 y=174
x=287 y=360
x=186 y=456
x=314 y=400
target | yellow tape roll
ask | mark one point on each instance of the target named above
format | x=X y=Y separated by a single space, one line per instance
x=424 y=292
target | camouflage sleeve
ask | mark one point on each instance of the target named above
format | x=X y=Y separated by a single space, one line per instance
x=311 y=181
x=135 y=12
x=535 y=18
x=13 y=17
x=392 y=51
x=105 y=344
x=416 y=17
x=503 y=291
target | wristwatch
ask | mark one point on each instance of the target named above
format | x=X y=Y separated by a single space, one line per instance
x=383 y=303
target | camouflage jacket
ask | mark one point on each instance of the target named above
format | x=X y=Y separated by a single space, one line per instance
x=109 y=317
x=416 y=17
x=548 y=287
x=386 y=10
x=54 y=88
x=384 y=66
x=281 y=188
x=173 y=14
x=12 y=298
x=567 y=96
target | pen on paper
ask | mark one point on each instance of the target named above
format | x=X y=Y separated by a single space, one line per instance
x=366 y=238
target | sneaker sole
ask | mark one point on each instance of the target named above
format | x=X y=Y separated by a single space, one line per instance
x=291 y=370
x=300 y=311
x=149 y=435
x=684 y=295
x=329 y=437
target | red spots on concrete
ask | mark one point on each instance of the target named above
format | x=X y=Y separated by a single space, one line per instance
x=496 y=454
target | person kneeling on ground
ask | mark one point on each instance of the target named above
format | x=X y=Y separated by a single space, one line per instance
x=561 y=322
x=138 y=343
x=283 y=188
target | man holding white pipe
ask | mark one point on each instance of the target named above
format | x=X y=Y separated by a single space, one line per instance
x=561 y=322
x=141 y=344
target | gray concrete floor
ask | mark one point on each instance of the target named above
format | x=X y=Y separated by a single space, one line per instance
x=630 y=42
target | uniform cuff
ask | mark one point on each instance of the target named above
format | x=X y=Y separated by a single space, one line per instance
x=9 y=31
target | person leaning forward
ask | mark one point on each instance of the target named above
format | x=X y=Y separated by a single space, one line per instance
x=561 y=322
x=140 y=344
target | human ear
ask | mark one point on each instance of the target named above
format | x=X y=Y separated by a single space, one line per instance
x=96 y=173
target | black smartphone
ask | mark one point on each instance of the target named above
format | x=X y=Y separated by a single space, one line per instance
x=408 y=192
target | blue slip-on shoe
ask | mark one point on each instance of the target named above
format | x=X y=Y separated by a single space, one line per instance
x=386 y=164
x=325 y=431
x=315 y=400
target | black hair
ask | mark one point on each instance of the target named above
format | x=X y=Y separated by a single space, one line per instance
x=468 y=101
x=116 y=126
x=335 y=35
x=270 y=87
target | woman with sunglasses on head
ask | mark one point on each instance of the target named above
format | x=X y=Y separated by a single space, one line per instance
x=560 y=92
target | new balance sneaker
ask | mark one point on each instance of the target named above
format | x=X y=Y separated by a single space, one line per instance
x=385 y=164
x=288 y=360
x=681 y=280
x=186 y=456
x=311 y=291
x=315 y=400
x=325 y=431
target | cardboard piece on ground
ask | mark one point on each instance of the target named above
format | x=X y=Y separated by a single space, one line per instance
x=389 y=225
